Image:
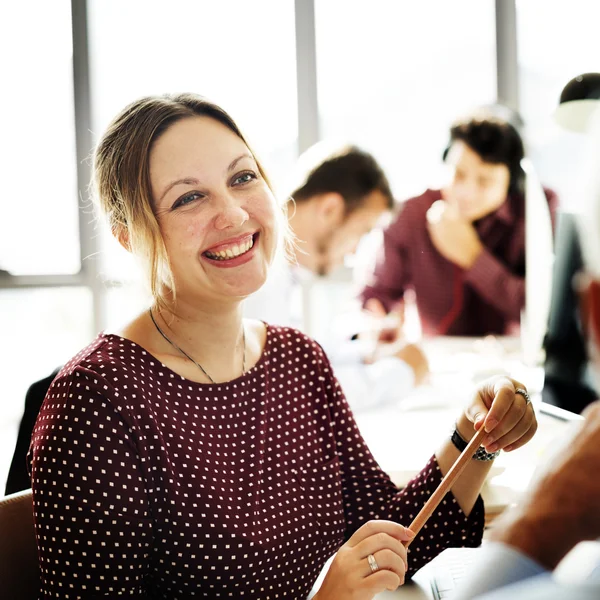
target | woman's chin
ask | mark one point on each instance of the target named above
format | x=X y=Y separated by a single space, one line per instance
x=252 y=287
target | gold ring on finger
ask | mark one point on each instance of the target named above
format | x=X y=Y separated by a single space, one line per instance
x=373 y=563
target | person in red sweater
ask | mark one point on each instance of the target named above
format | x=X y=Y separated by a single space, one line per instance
x=462 y=248
x=195 y=453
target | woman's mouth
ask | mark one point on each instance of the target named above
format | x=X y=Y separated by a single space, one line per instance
x=234 y=252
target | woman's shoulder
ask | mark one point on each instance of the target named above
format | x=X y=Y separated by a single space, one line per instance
x=296 y=343
x=108 y=355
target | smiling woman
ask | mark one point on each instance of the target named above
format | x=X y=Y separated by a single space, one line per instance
x=196 y=453
x=176 y=200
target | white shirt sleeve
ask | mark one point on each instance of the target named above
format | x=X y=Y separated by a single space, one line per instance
x=383 y=382
x=499 y=565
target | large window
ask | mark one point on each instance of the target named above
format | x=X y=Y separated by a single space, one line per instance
x=39 y=231
x=393 y=75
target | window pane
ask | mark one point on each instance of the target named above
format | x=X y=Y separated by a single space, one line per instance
x=41 y=330
x=557 y=40
x=39 y=227
x=124 y=303
x=392 y=77
x=240 y=54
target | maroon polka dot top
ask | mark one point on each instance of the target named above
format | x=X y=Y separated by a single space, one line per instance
x=149 y=485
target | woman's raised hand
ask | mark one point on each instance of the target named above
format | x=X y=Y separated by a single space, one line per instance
x=506 y=414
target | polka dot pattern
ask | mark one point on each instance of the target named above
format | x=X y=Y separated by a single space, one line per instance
x=147 y=484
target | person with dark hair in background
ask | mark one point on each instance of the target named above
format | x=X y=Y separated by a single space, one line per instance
x=339 y=196
x=462 y=248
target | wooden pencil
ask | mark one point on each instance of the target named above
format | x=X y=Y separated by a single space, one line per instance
x=446 y=484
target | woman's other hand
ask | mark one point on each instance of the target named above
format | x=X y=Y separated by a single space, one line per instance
x=506 y=415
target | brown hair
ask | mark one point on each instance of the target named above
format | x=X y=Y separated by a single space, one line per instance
x=496 y=141
x=348 y=171
x=121 y=175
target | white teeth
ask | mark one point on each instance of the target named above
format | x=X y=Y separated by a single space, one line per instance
x=232 y=252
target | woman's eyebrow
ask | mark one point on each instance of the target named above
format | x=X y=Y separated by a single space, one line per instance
x=185 y=180
x=194 y=181
x=235 y=161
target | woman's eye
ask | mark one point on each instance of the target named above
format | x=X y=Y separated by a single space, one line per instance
x=186 y=199
x=242 y=178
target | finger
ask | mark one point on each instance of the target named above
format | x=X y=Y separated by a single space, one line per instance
x=512 y=435
x=503 y=399
x=382 y=541
x=512 y=418
x=379 y=526
x=517 y=383
x=382 y=580
x=524 y=438
x=386 y=561
x=374 y=306
x=477 y=410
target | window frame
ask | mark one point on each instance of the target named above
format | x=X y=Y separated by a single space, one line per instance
x=308 y=130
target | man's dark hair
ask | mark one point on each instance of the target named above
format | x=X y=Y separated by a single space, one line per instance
x=495 y=141
x=350 y=172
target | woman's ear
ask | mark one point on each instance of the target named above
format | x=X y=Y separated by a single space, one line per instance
x=122 y=234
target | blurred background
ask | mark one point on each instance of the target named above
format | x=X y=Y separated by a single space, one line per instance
x=388 y=75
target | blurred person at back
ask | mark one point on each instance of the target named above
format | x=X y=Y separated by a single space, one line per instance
x=462 y=248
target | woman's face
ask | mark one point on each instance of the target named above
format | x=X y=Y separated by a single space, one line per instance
x=215 y=211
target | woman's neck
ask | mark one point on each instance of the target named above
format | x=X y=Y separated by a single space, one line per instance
x=214 y=339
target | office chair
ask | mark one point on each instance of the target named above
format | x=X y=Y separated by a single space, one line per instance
x=19 y=568
x=18 y=478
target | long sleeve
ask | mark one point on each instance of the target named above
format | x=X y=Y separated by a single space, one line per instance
x=497 y=284
x=498 y=565
x=365 y=386
x=392 y=272
x=91 y=514
x=368 y=492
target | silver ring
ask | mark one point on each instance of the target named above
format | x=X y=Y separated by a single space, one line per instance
x=523 y=392
x=373 y=563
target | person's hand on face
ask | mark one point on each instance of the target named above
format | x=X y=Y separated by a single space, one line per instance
x=351 y=577
x=562 y=507
x=453 y=236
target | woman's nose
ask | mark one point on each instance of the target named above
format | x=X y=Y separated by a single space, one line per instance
x=232 y=214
